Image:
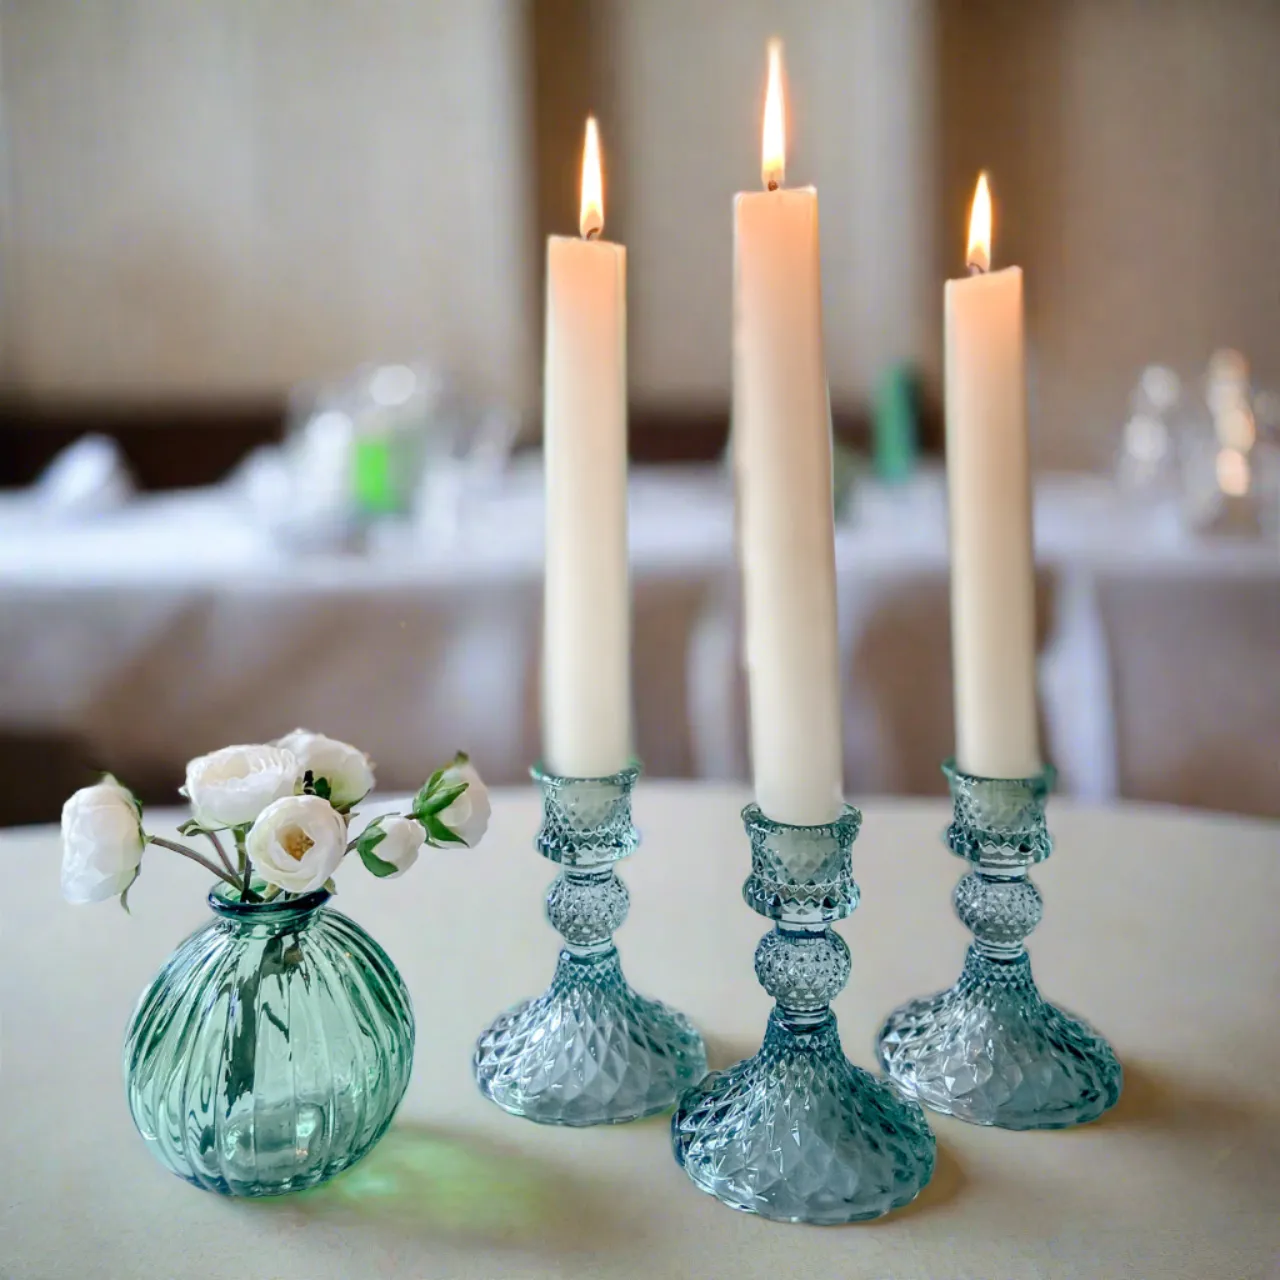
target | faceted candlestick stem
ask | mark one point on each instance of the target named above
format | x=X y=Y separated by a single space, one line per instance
x=991 y=1050
x=798 y=1133
x=589 y=1050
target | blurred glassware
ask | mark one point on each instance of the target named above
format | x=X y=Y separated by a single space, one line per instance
x=468 y=472
x=1146 y=464
x=1230 y=462
x=87 y=478
x=388 y=445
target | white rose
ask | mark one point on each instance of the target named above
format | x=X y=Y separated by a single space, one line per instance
x=346 y=768
x=297 y=843
x=402 y=841
x=468 y=815
x=231 y=787
x=102 y=842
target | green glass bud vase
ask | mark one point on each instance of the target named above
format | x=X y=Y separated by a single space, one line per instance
x=272 y=1049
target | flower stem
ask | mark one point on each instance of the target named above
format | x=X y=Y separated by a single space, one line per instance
x=222 y=853
x=245 y=865
x=195 y=857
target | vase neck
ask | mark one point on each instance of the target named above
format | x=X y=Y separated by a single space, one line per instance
x=264 y=919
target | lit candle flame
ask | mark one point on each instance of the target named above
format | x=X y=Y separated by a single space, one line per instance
x=591 y=215
x=773 y=159
x=978 y=256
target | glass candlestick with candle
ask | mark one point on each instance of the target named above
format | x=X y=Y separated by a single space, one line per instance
x=589 y=1050
x=798 y=1133
x=991 y=1050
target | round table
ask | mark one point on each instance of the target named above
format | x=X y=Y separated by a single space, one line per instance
x=1159 y=926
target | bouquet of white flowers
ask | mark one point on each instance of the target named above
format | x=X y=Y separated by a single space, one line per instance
x=284 y=808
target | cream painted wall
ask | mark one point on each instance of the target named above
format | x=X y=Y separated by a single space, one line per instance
x=683 y=96
x=227 y=196
x=1135 y=157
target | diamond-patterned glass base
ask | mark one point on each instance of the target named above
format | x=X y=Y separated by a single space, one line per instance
x=991 y=1050
x=799 y=1134
x=589 y=1050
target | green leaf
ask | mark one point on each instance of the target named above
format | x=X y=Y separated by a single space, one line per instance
x=190 y=827
x=439 y=802
x=323 y=789
x=424 y=792
x=437 y=831
x=371 y=837
x=124 y=893
x=375 y=864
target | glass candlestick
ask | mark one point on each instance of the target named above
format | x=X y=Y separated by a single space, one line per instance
x=589 y=1050
x=991 y=1050
x=798 y=1133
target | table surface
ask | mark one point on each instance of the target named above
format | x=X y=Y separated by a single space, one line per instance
x=1159 y=925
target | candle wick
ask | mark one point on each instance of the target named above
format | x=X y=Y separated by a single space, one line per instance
x=977 y=269
x=773 y=184
x=592 y=234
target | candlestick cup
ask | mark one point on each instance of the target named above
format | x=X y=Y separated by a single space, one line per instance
x=798 y=1133
x=589 y=1050
x=991 y=1050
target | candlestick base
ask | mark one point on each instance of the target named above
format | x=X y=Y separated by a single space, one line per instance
x=798 y=1133
x=991 y=1050
x=589 y=1050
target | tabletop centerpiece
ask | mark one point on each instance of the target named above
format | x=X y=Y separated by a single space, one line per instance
x=590 y=1050
x=273 y=1047
x=796 y=1132
x=990 y=1049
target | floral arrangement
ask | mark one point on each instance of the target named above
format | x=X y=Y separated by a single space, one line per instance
x=285 y=810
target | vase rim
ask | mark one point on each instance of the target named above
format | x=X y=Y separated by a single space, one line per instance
x=222 y=904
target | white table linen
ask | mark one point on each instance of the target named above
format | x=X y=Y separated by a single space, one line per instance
x=178 y=624
x=1159 y=926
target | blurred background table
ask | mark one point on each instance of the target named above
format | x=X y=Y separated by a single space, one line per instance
x=1159 y=925
x=142 y=637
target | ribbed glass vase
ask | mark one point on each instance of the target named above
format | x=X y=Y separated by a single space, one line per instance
x=272 y=1049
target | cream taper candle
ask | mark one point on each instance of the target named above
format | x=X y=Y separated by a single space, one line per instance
x=586 y=714
x=988 y=480
x=782 y=456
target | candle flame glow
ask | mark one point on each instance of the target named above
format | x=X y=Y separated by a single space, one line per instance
x=978 y=256
x=591 y=215
x=773 y=159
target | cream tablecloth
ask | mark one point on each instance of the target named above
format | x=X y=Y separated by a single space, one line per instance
x=175 y=625
x=1160 y=925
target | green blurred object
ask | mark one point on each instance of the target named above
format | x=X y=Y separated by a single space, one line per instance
x=895 y=432
x=848 y=468
x=373 y=476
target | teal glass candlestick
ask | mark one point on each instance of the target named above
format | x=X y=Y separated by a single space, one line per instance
x=589 y=1050
x=798 y=1133
x=991 y=1050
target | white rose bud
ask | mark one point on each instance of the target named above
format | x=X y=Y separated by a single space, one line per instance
x=398 y=846
x=231 y=787
x=468 y=815
x=297 y=843
x=102 y=842
x=346 y=768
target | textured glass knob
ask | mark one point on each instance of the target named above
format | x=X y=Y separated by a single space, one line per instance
x=999 y=913
x=587 y=906
x=803 y=972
